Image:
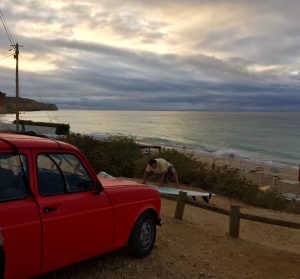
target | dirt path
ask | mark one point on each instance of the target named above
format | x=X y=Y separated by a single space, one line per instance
x=198 y=247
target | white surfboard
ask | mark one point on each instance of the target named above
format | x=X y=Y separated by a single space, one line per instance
x=175 y=191
x=170 y=191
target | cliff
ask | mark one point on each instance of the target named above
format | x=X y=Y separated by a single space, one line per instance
x=8 y=104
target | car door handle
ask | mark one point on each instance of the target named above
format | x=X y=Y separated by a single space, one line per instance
x=49 y=209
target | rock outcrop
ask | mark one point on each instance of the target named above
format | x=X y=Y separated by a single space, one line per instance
x=8 y=104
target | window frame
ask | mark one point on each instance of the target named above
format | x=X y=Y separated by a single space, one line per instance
x=26 y=183
x=64 y=179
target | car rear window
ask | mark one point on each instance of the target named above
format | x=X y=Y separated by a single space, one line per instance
x=13 y=176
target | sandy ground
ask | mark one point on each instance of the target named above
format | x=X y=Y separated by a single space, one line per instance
x=199 y=247
x=258 y=172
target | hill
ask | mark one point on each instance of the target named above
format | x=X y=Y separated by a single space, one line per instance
x=8 y=104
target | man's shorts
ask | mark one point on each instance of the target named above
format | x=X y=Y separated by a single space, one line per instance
x=169 y=172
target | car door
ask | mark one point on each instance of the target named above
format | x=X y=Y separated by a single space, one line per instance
x=19 y=216
x=77 y=222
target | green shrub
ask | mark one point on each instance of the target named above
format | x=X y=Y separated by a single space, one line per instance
x=188 y=169
x=219 y=180
x=93 y=149
x=61 y=128
x=121 y=156
x=116 y=156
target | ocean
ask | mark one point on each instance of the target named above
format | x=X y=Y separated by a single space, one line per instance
x=272 y=137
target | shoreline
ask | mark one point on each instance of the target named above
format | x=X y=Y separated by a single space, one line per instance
x=267 y=175
x=229 y=154
x=229 y=158
x=281 y=175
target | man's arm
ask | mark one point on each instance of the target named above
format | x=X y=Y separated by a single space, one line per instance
x=162 y=179
x=145 y=177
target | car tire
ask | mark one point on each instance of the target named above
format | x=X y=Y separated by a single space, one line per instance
x=143 y=236
x=2 y=263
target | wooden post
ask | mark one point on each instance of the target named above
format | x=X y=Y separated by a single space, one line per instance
x=17 y=88
x=180 y=205
x=234 y=222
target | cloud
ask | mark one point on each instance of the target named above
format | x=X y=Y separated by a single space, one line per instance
x=223 y=55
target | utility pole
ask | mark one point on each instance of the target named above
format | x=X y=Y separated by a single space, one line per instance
x=16 y=56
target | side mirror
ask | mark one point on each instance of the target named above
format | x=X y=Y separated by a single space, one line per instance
x=98 y=188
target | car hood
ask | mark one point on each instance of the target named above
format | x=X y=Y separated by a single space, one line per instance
x=112 y=183
x=121 y=191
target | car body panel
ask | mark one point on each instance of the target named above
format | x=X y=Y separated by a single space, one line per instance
x=83 y=224
x=86 y=226
x=21 y=230
x=77 y=216
x=129 y=200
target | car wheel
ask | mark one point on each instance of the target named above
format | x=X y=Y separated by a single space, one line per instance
x=2 y=263
x=143 y=236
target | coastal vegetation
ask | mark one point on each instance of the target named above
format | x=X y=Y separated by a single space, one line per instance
x=120 y=156
x=61 y=128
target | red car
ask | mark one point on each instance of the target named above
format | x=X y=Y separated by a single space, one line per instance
x=55 y=211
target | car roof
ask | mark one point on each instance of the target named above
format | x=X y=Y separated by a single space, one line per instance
x=12 y=141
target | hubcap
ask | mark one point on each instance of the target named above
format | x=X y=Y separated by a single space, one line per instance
x=146 y=235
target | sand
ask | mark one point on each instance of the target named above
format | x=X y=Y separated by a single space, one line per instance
x=282 y=177
x=198 y=247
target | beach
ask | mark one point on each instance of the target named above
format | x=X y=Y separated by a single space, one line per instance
x=199 y=246
x=272 y=162
x=281 y=177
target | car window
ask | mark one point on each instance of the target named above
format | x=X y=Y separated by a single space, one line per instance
x=12 y=177
x=50 y=178
x=76 y=176
x=66 y=173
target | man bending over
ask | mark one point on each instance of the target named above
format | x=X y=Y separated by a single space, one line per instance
x=162 y=167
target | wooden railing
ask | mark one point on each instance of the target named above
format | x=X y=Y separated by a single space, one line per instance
x=234 y=214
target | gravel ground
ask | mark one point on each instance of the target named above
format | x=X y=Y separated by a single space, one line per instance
x=198 y=247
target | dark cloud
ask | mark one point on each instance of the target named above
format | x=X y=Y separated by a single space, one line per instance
x=95 y=75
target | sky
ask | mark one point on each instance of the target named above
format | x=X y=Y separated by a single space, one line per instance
x=155 y=55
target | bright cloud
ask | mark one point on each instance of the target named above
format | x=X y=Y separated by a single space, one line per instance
x=191 y=55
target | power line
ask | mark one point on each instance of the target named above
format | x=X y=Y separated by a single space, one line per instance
x=5 y=51
x=38 y=91
x=8 y=33
x=6 y=56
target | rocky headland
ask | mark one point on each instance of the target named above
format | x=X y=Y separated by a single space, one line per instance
x=8 y=104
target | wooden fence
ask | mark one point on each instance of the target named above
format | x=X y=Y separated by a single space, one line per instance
x=234 y=214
